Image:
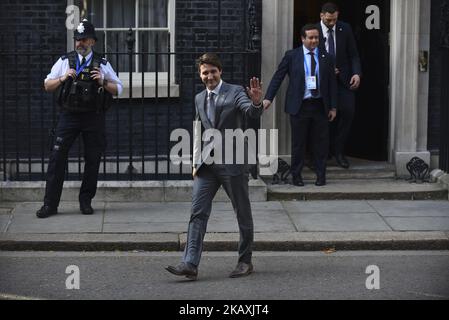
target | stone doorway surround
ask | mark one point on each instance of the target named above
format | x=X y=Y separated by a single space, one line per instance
x=409 y=89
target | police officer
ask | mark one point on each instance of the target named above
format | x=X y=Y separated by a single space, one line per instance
x=85 y=84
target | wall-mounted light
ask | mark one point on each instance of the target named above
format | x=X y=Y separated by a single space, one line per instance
x=423 y=61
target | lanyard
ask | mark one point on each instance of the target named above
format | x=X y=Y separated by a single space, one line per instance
x=80 y=68
x=307 y=67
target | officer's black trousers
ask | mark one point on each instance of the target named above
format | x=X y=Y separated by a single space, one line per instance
x=70 y=125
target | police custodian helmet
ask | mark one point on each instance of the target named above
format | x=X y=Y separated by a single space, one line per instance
x=85 y=30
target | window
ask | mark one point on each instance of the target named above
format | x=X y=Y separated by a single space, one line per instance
x=152 y=22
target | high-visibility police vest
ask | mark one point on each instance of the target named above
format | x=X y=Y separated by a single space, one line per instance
x=83 y=94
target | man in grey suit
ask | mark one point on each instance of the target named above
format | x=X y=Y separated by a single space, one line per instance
x=221 y=106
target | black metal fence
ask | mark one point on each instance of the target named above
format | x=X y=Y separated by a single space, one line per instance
x=138 y=125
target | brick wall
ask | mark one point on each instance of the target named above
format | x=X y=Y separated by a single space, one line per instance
x=201 y=27
x=28 y=113
x=31 y=26
x=39 y=24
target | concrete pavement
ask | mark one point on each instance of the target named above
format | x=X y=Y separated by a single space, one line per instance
x=422 y=275
x=279 y=226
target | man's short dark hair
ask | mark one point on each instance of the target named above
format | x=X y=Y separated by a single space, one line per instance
x=329 y=7
x=209 y=58
x=308 y=27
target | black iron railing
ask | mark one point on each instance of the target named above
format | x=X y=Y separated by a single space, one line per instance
x=138 y=125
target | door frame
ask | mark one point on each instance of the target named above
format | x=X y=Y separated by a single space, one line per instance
x=408 y=91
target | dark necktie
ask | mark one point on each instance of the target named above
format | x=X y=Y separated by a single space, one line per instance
x=313 y=62
x=312 y=73
x=83 y=61
x=211 y=109
x=331 y=43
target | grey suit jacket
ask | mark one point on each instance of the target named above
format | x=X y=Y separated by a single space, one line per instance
x=232 y=106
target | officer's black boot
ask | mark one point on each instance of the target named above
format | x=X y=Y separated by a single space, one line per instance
x=46 y=211
x=86 y=208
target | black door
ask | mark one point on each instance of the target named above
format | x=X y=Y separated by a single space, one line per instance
x=369 y=135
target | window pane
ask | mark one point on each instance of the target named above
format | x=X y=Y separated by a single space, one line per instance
x=154 y=42
x=91 y=10
x=99 y=45
x=121 y=14
x=153 y=13
x=116 y=42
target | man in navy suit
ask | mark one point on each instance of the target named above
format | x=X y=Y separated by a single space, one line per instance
x=311 y=100
x=337 y=39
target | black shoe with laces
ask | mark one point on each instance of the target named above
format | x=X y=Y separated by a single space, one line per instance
x=342 y=161
x=320 y=182
x=298 y=182
x=86 y=209
x=46 y=211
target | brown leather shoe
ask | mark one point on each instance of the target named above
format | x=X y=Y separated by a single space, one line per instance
x=242 y=270
x=184 y=269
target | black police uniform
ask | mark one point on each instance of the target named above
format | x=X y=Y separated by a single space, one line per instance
x=83 y=104
x=79 y=115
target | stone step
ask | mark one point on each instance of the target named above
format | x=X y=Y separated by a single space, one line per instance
x=383 y=189
x=123 y=191
x=180 y=191
x=360 y=169
x=334 y=173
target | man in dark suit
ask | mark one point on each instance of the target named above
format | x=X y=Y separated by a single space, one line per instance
x=337 y=39
x=311 y=101
x=221 y=106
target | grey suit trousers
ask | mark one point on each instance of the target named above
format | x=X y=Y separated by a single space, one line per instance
x=206 y=184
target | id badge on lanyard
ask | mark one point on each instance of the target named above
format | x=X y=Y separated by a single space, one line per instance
x=311 y=81
x=80 y=68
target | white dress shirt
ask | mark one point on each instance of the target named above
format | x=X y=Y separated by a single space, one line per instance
x=61 y=67
x=216 y=91
x=308 y=61
x=325 y=31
